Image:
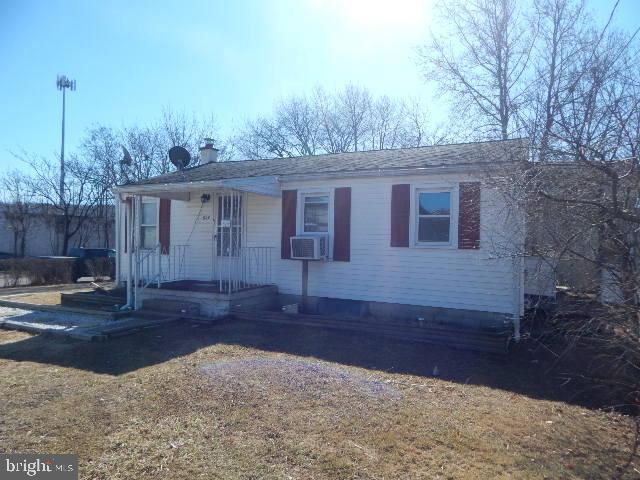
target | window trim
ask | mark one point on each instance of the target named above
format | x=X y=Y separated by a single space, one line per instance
x=416 y=190
x=314 y=192
x=156 y=202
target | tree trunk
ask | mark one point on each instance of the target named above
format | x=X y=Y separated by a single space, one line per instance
x=65 y=240
x=23 y=243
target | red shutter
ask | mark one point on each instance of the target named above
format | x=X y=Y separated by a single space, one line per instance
x=164 y=227
x=289 y=205
x=469 y=216
x=400 y=213
x=342 y=224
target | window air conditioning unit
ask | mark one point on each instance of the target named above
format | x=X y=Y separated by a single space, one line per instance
x=310 y=247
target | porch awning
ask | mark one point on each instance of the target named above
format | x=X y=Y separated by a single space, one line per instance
x=261 y=185
x=268 y=186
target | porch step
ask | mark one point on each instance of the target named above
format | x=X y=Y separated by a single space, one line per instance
x=496 y=342
x=92 y=300
x=177 y=307
x=135 y=323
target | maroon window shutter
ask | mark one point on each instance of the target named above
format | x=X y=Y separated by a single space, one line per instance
x=289 y=205
x=469 y=216
x=164 y=227
x=342 y=224
x=400 y=213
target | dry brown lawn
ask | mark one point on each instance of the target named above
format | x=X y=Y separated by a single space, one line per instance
x=246 y=400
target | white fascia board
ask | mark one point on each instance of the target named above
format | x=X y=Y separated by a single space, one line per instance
x=260 y=185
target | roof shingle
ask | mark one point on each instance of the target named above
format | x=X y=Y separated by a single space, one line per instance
x=461 y=154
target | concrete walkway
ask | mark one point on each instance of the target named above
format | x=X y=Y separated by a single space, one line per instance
x=74 y=325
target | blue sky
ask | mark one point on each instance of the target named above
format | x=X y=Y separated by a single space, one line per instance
x=229 y=59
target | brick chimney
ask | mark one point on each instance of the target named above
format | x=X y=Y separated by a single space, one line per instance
x=208 y=153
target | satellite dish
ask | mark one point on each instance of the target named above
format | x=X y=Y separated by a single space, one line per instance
x=126 y=157
x=179 y=156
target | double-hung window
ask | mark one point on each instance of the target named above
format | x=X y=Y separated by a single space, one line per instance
x=149 y=225
x=433 y=218
x=315 y=216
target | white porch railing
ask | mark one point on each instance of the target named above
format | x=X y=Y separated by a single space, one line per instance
x=250 y=267
x=155 y=266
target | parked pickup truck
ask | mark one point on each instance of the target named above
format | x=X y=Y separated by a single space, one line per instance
x=92 y=262
x=89 y=262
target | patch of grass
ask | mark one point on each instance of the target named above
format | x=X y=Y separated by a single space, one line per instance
x=297 y=403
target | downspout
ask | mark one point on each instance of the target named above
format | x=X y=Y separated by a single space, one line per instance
x=518 y=276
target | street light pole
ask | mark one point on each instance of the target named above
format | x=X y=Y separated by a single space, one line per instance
x=63 y=83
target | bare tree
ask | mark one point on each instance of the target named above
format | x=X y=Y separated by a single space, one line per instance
x=480 y=60
x=72 y=207
x=386 y=124
x=346 y=121
x=333 y=136
x=17 y=208
x=354 y=105
x=296 y=117
x=561 y=25
x=417 y=129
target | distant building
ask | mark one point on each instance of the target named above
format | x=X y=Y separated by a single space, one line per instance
x=44 y=232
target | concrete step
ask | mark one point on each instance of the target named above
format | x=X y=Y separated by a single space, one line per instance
x=92 y=300
x=179 y=307
x=457 y=337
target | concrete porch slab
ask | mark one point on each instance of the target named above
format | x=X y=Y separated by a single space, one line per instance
x=74 y=325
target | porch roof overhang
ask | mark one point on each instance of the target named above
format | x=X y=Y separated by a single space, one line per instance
x=268 y=186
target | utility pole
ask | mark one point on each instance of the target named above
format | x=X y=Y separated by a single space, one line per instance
x=63 y=83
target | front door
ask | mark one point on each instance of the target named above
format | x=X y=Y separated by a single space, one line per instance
x=228 y=238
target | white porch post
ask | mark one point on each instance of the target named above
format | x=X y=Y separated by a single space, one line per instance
x=118 y=202
x=129 y=242
x=136 y=250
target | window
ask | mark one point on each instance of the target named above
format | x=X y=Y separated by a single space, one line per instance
x=315 y=214
x=148 y=225
x=229 y=226
x=434 y=217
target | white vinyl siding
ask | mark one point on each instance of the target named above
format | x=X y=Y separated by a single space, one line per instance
x=485 y=279
x=439 y=276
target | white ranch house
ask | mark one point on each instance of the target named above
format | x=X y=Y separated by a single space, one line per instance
x=412 y=233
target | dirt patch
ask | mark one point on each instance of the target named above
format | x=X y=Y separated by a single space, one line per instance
x=305 y=379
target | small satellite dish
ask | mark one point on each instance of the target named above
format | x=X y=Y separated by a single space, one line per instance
x=179 y=156
x=126 y=157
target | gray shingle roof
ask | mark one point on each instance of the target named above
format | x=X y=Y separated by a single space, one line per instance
x=432 y=156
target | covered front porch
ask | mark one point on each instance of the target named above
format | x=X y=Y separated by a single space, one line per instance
x=189 y=243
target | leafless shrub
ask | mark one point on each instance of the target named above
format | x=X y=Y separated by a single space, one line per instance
x=39 y=271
